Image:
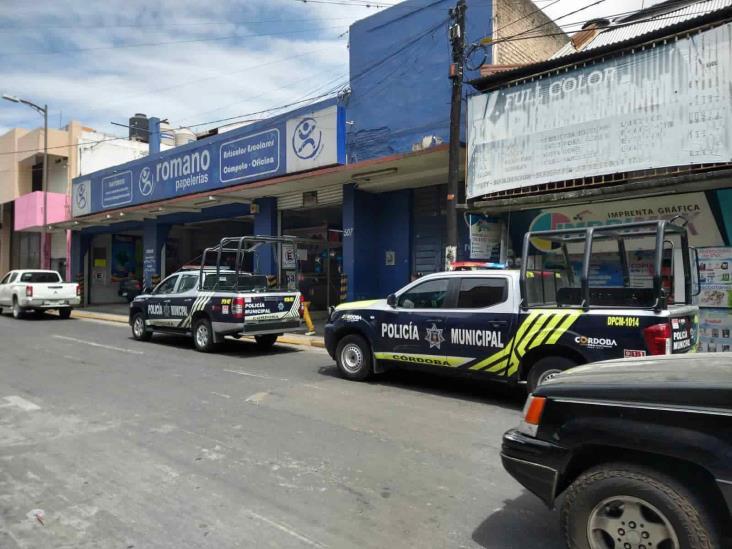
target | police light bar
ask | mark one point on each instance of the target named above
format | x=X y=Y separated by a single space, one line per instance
x=475 y=265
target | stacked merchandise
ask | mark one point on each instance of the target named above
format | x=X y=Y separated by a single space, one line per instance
x=715 y=299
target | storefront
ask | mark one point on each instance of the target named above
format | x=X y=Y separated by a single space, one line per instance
x=641 y=134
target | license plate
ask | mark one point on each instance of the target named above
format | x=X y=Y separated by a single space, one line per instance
x=54 y=302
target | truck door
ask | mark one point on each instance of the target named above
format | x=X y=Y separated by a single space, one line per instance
x=5 y=283
x=181 y=301
x=413 y=331
x=158 y=304
x=480 y=324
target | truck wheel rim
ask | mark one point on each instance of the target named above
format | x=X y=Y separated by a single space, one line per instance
x=629 y=522
x=351 y=358
x=202 y=335
x=139 y=328
x=546 y=376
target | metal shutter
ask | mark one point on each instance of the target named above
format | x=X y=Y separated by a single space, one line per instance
x=429 y=229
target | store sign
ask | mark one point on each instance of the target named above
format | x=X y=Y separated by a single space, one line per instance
x=307 y=141
x=670 y=105
x=694 y=207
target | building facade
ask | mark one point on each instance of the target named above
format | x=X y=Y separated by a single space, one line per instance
x=28 y=237
x=364 y=173
x=629 y=121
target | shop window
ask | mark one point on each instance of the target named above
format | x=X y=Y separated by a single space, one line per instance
x=478 y=293
x=428 y=295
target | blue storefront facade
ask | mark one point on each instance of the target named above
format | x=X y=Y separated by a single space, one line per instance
x=370 y=166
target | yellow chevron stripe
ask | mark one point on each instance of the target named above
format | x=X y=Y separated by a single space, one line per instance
x=547 y=330
x=563 y=327
x=507 y=349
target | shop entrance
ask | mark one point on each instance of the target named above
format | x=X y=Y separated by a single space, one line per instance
x=185 y=243
x=115 y=262
x=319 y=265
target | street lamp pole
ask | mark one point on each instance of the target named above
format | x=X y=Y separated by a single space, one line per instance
x=43 y=111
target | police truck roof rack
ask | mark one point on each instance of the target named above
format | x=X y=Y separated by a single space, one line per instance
x=241 y=245
x=620 y=231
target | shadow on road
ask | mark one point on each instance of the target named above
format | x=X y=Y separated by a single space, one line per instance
x=230 y=347
x=464 y=388
x=522 y=522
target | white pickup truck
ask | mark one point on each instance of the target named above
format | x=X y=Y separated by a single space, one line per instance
x=38 y=290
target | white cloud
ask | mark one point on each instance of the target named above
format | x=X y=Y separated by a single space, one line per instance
x=199 y=77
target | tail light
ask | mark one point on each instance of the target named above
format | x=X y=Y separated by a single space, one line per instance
x=533 y=410
x=301 y=307
x=237 y=307
x=78 y=291
x=658 y=339
x=29 y=291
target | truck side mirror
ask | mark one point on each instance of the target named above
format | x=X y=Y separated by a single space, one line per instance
x=391 y=300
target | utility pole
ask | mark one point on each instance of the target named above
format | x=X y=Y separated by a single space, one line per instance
x=457 y=41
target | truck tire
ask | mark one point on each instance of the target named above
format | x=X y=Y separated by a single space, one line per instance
x=203 y=336
x=18 y=311
x=353 y=357
x=139 y=331
x=546 y=368
x=64 y=313
x=266 y=342
x=626 y=505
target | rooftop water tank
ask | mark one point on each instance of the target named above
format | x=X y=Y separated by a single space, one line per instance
x=183 y=136
x=167 y=134
x=139 y=128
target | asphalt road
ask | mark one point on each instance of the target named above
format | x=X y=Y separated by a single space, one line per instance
x=109 y=442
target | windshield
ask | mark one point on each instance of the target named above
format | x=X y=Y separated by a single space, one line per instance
x=47 y=277
x=227 y=281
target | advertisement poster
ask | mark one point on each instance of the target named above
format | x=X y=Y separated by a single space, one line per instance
x=597 y=119
x=485 y=237
x=124 y=263
x=715 y=277
x=694 y=207
x=715 y=328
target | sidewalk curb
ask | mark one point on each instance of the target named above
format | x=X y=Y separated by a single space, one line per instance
x=305 y=341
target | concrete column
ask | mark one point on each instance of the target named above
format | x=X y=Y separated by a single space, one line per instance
x=6 y=251
x=265 y=224
x=153 y=240
x=359 y=243
x=153 y=135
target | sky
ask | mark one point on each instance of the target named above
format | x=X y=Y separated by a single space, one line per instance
x=191 y=62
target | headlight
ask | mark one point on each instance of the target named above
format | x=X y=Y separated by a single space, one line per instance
x=533 y=409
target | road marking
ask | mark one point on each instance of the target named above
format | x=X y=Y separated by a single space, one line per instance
x=287 y=530
x=92 y=344
x=256 y=398
x=19 y=402
x=254 y=375
x=220 y=394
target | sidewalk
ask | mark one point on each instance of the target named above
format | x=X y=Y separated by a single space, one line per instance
x=113 y=313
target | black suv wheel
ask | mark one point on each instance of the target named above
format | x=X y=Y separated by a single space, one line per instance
x=626 y=505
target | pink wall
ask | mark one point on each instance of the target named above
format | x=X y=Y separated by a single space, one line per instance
x=29 y=210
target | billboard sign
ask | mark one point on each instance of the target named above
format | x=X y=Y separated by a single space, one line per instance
x=670 y=105
x=309 y=140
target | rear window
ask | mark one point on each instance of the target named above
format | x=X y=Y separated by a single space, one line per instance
x=477 y=293
x=42 y=278
x=227 y=281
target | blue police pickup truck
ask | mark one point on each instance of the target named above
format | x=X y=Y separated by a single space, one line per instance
x=224 y=303
x=529 y=325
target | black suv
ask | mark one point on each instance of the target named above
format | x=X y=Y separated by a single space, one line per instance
x=640 y=450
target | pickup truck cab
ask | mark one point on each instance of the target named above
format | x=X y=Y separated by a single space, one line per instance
x=528 y=325
x=639 y=449
x=27 y=290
